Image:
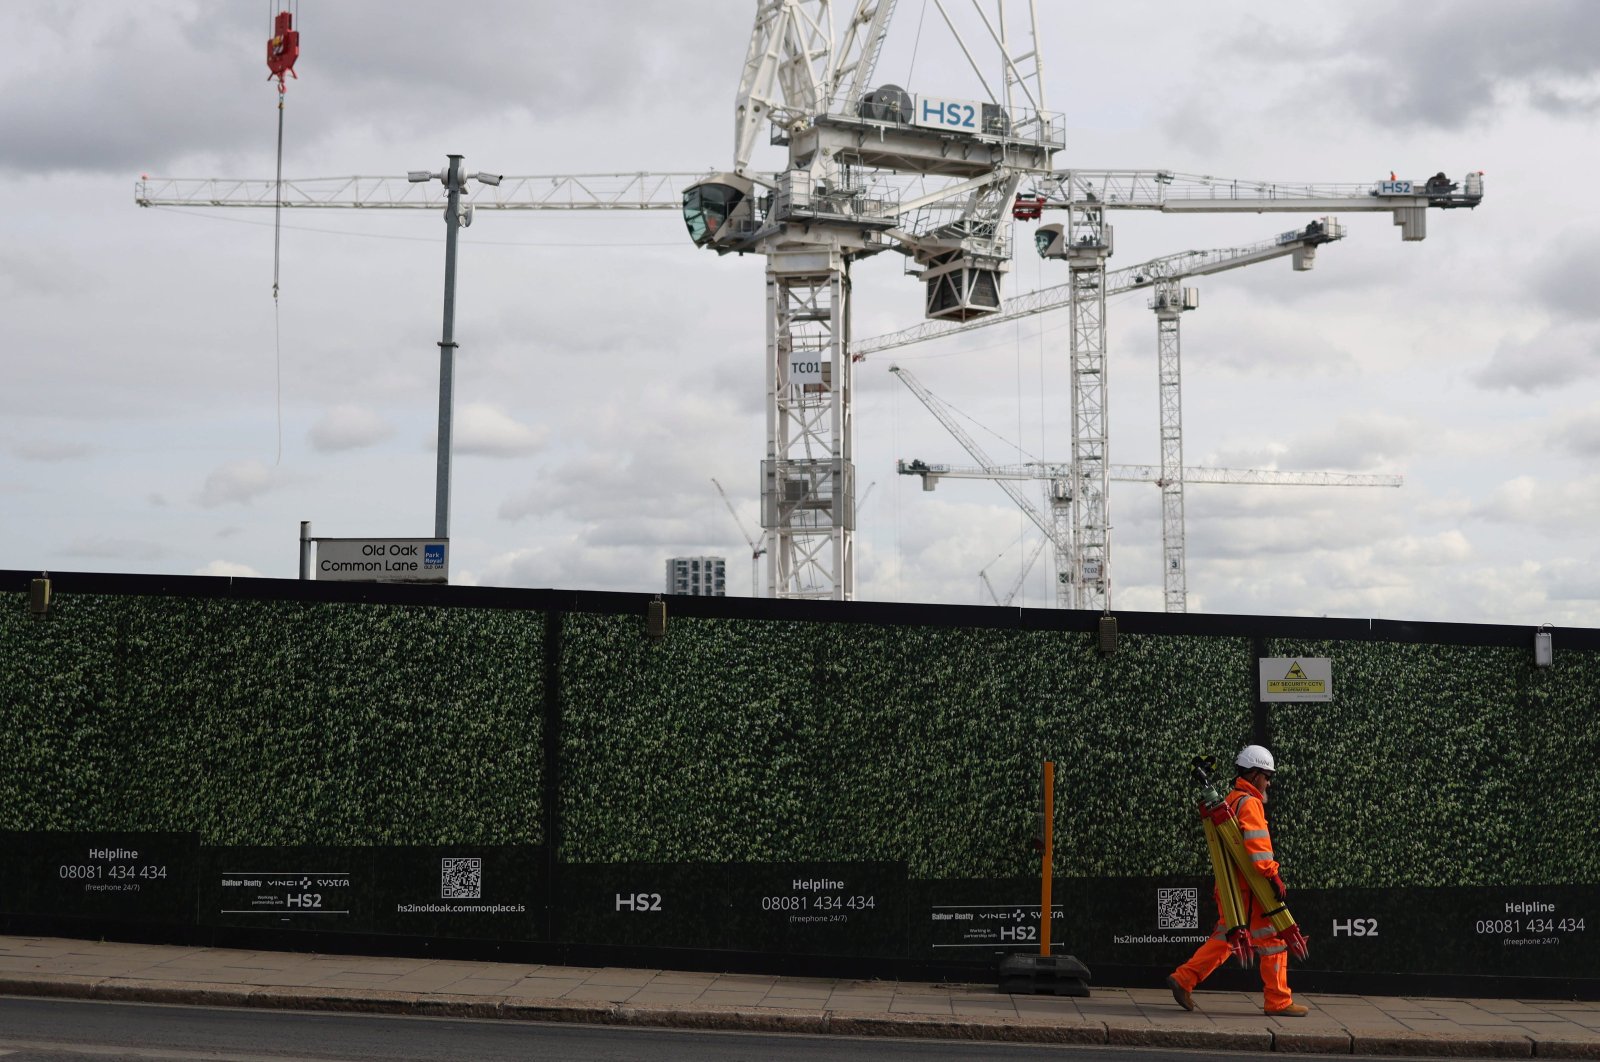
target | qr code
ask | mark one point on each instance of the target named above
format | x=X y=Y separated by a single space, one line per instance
x=1178 y=908
x=461 y=879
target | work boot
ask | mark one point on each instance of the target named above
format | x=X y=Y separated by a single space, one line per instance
x=1181 y=994
x=1293 y=1010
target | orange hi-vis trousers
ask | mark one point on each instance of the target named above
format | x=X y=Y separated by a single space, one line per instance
x=1272 y=956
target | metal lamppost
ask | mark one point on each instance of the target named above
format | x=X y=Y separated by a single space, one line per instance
x=457 y=215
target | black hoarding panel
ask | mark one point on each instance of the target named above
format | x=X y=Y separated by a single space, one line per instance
x=121 y=876
x=1525 y=931
x=303 y=887
x=464 y=891
x=976 y=919
x=847 y=909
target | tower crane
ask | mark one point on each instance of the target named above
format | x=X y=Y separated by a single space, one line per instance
x=755 y=550
x=1084 y=242
x=1059 y=480
x=833 y=204
x=1164 y=276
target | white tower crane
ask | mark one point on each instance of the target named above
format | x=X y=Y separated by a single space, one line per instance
x=755 y=550
x=1164 y=274
x=829 y=207
x=1085 y=241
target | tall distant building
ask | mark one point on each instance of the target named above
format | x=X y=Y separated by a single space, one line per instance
x=700 y=576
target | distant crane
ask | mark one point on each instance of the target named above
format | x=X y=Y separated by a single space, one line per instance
x=755 y=550
x=1022 y=576
x=1059 y=479
x=1164 y=276
x=1084 y=242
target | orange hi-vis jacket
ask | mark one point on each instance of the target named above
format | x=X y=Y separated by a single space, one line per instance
x=1249 y=806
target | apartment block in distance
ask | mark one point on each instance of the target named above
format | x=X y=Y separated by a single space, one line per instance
x=699 y=576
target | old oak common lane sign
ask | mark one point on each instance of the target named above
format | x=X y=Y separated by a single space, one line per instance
x=383 y=560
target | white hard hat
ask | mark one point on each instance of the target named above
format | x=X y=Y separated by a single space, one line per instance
x=1252 y=757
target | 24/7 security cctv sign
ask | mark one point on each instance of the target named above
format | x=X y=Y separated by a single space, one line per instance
x=383 y=560
x=1296 y=678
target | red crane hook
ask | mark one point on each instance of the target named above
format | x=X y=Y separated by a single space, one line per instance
x=283 y=48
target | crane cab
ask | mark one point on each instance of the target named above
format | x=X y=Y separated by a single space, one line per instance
x=1054 y=241
x=720 y=211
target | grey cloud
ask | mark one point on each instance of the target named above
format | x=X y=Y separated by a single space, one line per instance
x=1554 y=358
x=1354 y=444
x=1565 y=509
x=51 y=450
x=651 y=467
x=485 y=431
x=348 y=427
x=1566 y=282
x=1458 y=59
x=118 y=104
x=573 y=562
x=1572 y=581
x=1580 y=434
x=124 y=102
x=1452 y=61
x=237 y=483
x=115 y=548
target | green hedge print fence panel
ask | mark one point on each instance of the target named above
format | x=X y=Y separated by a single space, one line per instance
x=60 y=747
x=739 y=740
x=1440 y=765
x=273 y=722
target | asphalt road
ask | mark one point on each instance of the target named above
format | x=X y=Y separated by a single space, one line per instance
x=59 y=1030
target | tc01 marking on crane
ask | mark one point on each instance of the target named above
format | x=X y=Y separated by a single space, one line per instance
x=1296 y=679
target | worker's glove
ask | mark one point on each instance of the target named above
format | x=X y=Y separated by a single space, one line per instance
x=1278 y=888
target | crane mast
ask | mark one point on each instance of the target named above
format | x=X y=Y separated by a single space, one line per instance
x=835 y=203
x=1084 y=243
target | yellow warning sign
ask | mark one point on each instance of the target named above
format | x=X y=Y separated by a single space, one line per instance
x=1310 y=679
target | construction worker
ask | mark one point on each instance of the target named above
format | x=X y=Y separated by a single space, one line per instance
x=1248 y=800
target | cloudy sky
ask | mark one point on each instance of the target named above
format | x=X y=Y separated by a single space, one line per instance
x=158 y=413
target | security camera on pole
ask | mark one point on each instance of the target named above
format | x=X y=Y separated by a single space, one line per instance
x=456 y=216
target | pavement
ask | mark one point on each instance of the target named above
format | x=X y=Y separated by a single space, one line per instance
x=1133 y=1017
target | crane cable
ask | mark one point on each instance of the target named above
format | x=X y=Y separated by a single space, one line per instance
x=277 y=319
x=283 y=48
x=277 y=204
